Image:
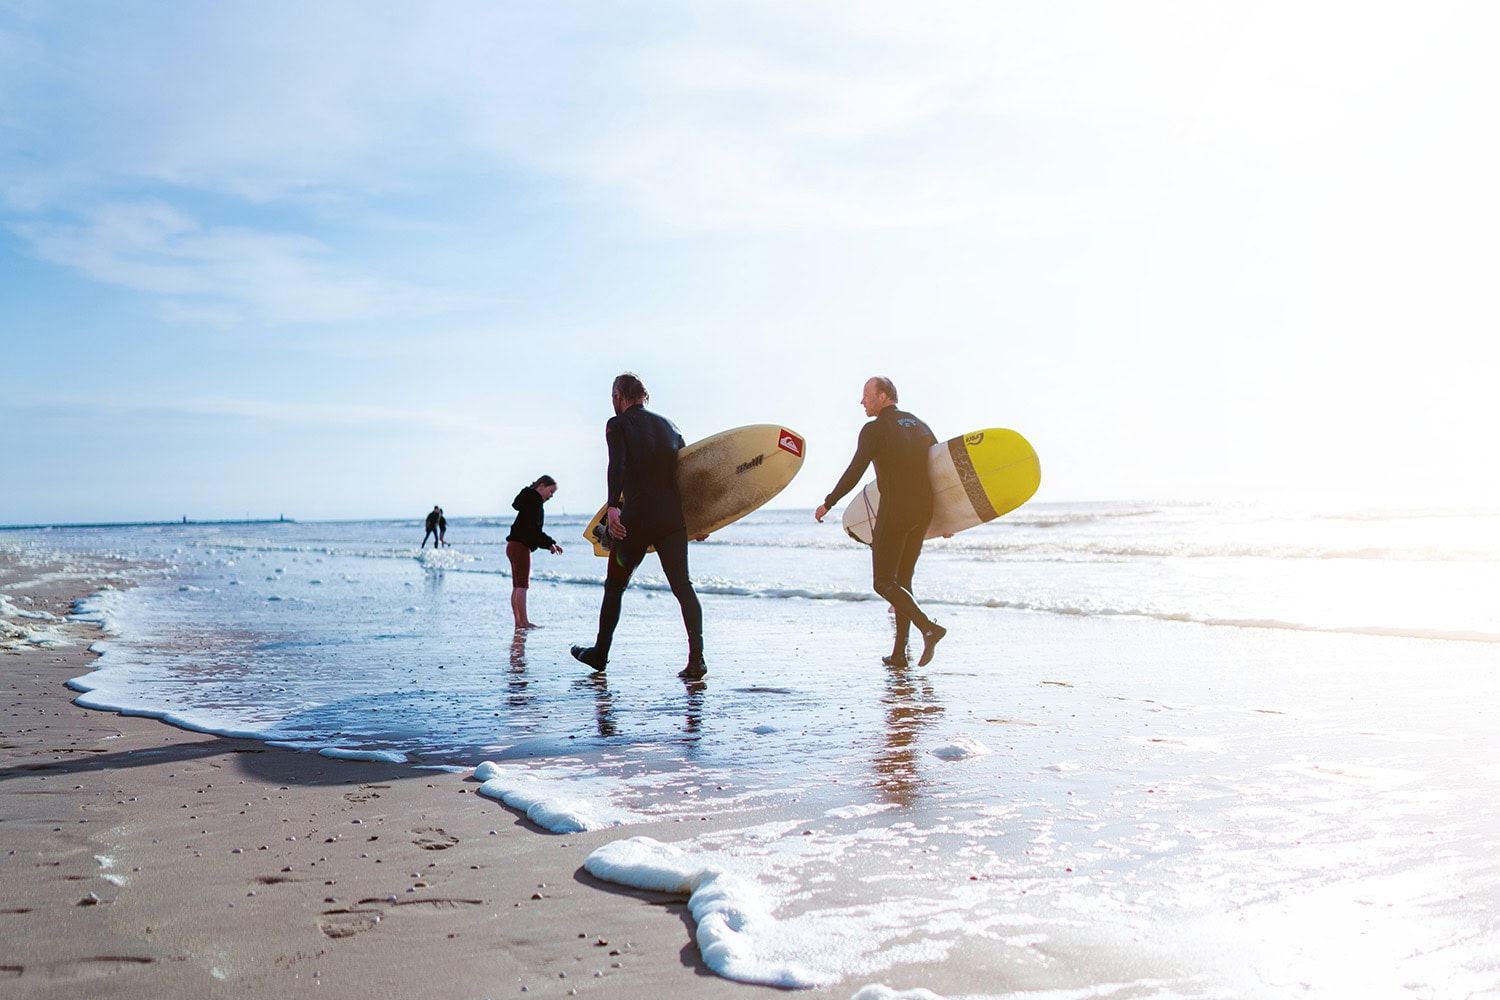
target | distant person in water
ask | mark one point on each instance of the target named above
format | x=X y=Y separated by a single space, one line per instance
x=526 y=536
x=645 y=510
x=432 y=527
x=442 y=538
x=897 y=443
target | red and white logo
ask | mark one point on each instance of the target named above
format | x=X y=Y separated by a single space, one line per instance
x=790 y=442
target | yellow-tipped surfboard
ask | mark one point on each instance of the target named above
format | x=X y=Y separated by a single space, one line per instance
x=724 y=477
x=975 y=478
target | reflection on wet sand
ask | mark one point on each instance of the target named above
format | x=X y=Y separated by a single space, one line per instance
x=692 y=722
x=604 y=701
x=516 y=683
x=909 y=703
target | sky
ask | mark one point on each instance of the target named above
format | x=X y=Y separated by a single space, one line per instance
x=351 y=259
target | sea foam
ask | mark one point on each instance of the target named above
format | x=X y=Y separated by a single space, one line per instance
x=734 y=921
x=546 y=804
x=381 y=756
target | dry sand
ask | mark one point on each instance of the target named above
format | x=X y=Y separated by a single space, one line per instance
x=140 y=860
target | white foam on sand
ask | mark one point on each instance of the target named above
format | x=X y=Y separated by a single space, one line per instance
x=878 y=991
x=737 y=935
x=382 y=756
x=856 y=812
x=14 y=636
x=961 y=748
x=533 y=792
x=10 y=610
x=19 y=631
x=775 y=904
x=105 y=609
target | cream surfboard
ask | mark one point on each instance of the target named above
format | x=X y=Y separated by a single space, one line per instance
x=724 y=477
x=975 y=478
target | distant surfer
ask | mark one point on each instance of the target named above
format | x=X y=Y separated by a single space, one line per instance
x=526 y=536
x=432 y=527
x=645 y=510
x=897 y=443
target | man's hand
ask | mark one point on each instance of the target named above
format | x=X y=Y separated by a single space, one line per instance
x=820 y=513
x=616 y=529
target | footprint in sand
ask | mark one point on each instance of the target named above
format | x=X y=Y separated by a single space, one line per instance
x=433 y=838
x=347 y=923
x=81 y=969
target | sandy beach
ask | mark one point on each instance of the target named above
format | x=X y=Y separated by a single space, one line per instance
x=1061 y=806
x=141 y=860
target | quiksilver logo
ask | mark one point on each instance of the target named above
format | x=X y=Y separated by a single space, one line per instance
x=747 y=466
x=974 y=438
x=790 y=442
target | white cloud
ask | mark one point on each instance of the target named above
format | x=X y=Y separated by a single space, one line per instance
x=309 y=415
x=223 y=272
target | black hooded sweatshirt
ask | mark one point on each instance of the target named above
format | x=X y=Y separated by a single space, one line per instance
x=527 y=528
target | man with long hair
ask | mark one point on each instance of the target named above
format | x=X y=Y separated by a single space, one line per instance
x=645 y=510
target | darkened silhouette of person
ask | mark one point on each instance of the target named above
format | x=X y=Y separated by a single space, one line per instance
x=897 y=443
x=435 y=524
x=526 y=536
x=645 y=510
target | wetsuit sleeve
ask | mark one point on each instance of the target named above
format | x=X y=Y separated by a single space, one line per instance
x=614 y=440
x=863 y=455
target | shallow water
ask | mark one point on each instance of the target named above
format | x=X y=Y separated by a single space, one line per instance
x=1089 y=787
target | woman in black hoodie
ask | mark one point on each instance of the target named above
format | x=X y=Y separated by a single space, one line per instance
x=526 y=536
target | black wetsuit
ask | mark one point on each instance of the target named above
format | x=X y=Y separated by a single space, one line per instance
x=432 y=529
x=643 y=450
x=897 y=443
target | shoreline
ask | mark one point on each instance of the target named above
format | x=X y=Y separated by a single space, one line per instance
x=1065 y=804
x=141 y=859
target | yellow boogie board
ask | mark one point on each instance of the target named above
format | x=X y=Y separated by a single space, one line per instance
x=975 y=478
x=724 y=477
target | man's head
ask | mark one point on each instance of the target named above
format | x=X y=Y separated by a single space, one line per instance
x=627 y=391
x=879 y=393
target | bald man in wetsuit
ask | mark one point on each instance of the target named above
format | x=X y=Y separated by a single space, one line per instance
x=645 y=510
x=897 y=443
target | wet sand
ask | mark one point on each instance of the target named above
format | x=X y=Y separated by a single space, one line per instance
x=140 y=860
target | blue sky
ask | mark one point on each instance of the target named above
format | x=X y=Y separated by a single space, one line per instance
x=353 y=259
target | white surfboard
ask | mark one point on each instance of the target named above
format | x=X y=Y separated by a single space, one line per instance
x=724 y=477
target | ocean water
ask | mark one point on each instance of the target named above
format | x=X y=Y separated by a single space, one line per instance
x=1167 y=749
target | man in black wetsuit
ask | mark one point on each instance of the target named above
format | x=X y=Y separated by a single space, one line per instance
x=897 y=443
x=645 y=509
x=432 y=527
